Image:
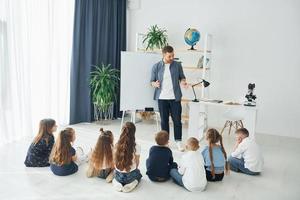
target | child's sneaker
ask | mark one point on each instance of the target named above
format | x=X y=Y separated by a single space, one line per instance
x=130 y=186
x=118 y=186
x=179 y=146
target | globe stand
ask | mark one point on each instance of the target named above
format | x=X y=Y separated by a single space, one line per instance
x=192 y=48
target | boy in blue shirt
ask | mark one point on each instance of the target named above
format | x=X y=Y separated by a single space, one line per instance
x=160 y=160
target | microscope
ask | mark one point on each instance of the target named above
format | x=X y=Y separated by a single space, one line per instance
x=250 y=96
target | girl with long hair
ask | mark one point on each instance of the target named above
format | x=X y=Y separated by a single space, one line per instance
x=41 y=146
x=215 y=157
x=101 y=162
x=127 y=158
x=63 y=155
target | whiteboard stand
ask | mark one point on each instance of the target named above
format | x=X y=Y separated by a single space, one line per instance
x=133 y=118
x=156 y=118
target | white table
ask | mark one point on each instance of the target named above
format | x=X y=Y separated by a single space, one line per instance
x=198 y=115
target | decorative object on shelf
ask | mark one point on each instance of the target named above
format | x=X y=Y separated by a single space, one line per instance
x=200 y=62
x=155 y=38
x=140 y=46
x=250 y=96
x=191 y=37
x=104 y=83
x=205 y=84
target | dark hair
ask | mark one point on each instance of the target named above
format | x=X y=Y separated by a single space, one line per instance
x=243 y=131
x=162 y=137
x=167 y=49
x=213 y=137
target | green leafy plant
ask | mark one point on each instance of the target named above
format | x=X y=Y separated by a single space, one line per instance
x=155 y=38
x=104 y=83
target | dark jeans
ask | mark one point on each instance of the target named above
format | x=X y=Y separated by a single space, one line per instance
x=104 y=173
x=157 y=179
x=238 y=165
x=167 y=107
x=177 y=178
x=125 y=178
x=218 y=177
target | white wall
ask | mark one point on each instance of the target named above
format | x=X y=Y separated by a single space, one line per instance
x=254 y=41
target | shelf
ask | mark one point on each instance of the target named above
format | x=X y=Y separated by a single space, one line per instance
x=194 y=68
x=185 y=100
x=192 y=51
x=196 y=86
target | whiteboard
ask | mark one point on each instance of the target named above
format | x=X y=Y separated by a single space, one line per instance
x=136 y=91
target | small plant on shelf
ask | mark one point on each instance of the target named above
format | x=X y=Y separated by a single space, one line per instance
x=156 y=38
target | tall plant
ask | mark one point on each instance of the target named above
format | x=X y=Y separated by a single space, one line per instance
x=155 y=38
x=104 y=83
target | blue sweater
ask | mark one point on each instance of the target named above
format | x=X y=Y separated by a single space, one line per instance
x=218 y=159
x=159 y=162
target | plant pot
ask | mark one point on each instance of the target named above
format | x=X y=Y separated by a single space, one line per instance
x=104 y=114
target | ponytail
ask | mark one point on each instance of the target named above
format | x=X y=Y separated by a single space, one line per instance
x=224 y=153
x=213 y=136
x=212 y=166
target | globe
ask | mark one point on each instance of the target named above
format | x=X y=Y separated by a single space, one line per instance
x=191 y=37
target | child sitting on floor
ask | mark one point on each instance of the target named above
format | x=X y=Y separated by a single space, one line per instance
x=40 y=149
x=160 y=159
x=63 y=155
x=215 y=157
x=127 y=159
x=191 y=172
x=246 y=157
x=101 y=162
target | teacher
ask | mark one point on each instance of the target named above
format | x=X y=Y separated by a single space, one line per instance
x=166 y=77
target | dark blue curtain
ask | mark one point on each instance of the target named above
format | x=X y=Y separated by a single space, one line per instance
x=99 y=37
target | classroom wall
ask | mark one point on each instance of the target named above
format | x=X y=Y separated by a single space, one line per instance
x=254 y=41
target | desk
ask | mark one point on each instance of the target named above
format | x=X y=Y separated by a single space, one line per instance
x=198 y=116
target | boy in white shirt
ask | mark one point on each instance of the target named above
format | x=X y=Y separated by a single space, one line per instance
x=191 y=173
x=246 y=157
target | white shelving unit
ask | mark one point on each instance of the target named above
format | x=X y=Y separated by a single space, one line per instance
x=195 y=73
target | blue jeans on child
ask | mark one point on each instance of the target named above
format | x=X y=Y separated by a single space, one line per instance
x=238 y=165
x=125 y=178
x=177 y=178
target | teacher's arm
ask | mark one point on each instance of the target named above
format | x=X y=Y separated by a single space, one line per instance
x=182 y=77
x=154 y=82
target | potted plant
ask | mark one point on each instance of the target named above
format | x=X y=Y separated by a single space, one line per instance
x=156 y=38
x=104 y=83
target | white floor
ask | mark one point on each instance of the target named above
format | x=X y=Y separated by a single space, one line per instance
x=280 y=179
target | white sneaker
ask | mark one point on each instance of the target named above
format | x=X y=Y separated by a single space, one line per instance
x=118 y=186
x=130 y=186
x=179 y=146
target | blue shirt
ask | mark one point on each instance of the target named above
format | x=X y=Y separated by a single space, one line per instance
x=159 y=162
x=177 y=75
x=218 y=159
